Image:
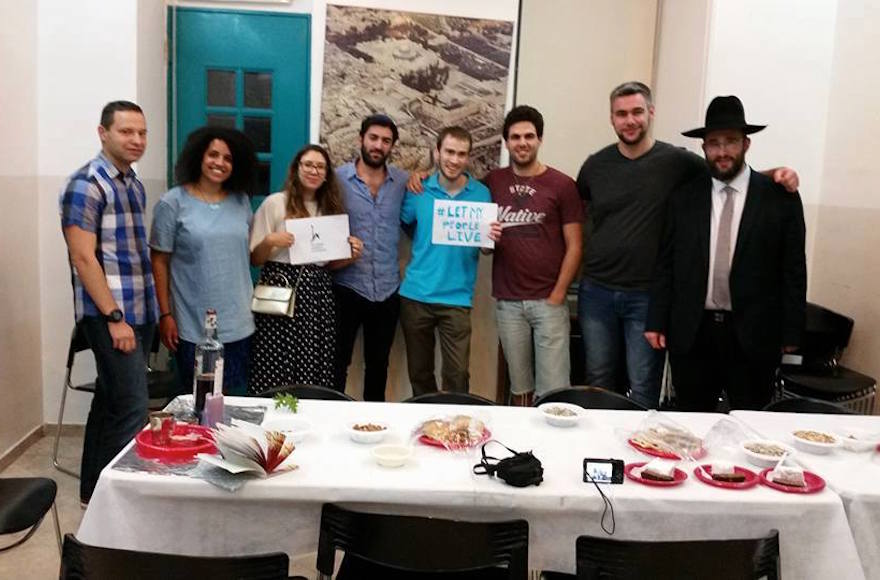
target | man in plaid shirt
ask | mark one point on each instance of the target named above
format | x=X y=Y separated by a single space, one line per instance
x=102 y=210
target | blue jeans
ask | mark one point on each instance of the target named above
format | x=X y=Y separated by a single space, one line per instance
x=534 y=328
x=235 y=366
x=119 y=407
x=604 y=314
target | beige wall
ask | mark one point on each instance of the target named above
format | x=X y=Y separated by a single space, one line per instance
x=20 y=382
x=571 y=56
x=845 y=273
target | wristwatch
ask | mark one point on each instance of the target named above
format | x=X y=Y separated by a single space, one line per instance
x=114 y=316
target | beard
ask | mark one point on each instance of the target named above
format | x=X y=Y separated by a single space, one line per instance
x=528 y=161
x=640 y=136
x=368 y=159
x=726 y=175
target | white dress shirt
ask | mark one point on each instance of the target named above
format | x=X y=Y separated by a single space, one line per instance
x=741 y=184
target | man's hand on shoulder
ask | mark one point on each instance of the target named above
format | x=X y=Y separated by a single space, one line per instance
x=416 y=181
x=786 y=177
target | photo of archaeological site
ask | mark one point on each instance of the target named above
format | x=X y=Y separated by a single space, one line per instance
x=426 y=71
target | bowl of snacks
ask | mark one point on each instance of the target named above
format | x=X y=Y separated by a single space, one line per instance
x=814 y=441
x=367 y=431
x=765 y=453
x=391 y=455
x=858 y=440
x=561 y=414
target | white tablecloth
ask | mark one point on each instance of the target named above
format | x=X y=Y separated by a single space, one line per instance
x=854 y=476
x=184 y=515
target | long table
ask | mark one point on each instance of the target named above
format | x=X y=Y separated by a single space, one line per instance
x=174 y=514
x=853 y=476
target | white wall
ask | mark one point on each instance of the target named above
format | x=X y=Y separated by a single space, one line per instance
x=20 y=380
x=88 y=53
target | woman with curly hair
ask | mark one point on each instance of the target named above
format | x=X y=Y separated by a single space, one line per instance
x=200 y=255
x=298 y=349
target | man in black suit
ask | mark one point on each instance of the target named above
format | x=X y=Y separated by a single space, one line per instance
x=730 y=288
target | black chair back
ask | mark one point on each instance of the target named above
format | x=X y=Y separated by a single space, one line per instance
x=83 y=562
x=826 y=335
x=24 y=502
x=717 y=559
x=308 y=392
x=806 y=405
x=391 y=547
x=590 y=398
x=449 y=398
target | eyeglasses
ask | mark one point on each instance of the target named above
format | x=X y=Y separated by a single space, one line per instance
x=719 y=144
x=313 y=167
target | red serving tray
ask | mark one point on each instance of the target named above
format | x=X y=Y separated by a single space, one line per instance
x=175 y=452
x=750 y=481
x=435 y=443
x=678 y=476
x=815 y=484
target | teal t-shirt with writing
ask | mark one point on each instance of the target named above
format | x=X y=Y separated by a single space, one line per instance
x=439 y=274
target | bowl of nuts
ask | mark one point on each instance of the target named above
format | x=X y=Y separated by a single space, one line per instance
x=561 y=414
x=367 y=431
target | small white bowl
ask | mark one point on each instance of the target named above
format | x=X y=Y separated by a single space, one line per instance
x=293 y=426
x=391 y=455
x=858 y=440
x=561 y=420
x=367 y=436
x=816 y=447
x=760 y=459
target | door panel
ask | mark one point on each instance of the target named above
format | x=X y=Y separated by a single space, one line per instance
x=248 y=70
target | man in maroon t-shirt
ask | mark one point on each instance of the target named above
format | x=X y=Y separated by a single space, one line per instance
x=536 y=259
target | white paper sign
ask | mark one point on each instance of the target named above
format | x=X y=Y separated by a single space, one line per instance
x=463 y=223
x=319 y=239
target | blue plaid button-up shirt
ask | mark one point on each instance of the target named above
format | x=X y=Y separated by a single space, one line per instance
x=98 y=198
x=376 y=221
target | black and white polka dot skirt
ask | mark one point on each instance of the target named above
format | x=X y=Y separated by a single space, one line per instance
x=298 y=350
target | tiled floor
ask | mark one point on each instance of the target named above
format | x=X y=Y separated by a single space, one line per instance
x=38 y=558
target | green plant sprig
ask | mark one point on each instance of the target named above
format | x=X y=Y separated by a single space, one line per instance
x=286 y=400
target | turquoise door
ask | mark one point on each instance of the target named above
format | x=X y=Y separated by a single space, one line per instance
x=248 y=70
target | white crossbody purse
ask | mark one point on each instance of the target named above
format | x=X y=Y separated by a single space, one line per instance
x=276 y=300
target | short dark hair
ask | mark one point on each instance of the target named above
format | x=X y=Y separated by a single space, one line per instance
x=524 y=113
x=382 y=121
x=455 y=132
x=109 y=110
x=244 y=161
x=632 y=88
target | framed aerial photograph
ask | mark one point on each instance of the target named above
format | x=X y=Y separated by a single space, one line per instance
x=426 y=71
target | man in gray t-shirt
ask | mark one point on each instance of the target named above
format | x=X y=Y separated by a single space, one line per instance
x=625 y=186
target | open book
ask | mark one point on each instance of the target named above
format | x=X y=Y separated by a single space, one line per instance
x=246 y=447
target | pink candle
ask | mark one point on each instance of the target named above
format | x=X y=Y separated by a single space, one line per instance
x=213 y=412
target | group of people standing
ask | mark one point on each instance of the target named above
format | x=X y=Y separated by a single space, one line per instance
x=656 y=273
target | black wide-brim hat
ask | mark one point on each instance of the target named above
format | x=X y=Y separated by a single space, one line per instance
x=724 y=113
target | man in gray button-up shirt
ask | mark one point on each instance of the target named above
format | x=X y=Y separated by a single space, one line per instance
x=366 y=291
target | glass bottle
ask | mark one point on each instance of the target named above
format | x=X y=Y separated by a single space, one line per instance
x=208 y=375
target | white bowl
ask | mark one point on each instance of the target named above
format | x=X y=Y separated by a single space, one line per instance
x=816 y=447
x=293 y=426
x=858 y=440
x=561 y=420
x=391 y=455
x=761 y=459
x=367 y=436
